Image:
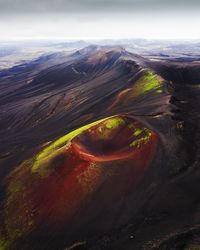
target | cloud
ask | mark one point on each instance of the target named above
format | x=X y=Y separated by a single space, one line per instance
x=99 y=18
x=155 y=26
x=86 y=6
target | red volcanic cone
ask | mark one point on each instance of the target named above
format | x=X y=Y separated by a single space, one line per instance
x=86 y=179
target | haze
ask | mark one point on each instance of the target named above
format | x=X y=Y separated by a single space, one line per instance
x=98 y=19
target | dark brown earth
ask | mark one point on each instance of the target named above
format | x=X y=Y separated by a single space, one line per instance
x=45 y=100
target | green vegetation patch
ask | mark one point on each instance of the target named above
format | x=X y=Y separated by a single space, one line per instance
x=42 y=159
x=137 y=132
x=114 y=122
x=145 y=136
x=148 y=82
x=2 y=245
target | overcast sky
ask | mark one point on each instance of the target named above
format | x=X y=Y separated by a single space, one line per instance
x=81 y=19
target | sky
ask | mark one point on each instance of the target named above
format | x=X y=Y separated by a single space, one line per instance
x=99 y=19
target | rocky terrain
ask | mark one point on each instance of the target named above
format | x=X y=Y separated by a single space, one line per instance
x=100 y=150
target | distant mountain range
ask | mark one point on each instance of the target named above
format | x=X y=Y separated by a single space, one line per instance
x=17 y=52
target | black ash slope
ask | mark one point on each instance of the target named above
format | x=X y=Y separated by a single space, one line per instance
x=44 y=100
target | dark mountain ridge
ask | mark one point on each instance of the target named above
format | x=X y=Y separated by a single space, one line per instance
x=54 y=95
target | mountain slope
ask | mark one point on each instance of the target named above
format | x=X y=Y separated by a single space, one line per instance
x=99 y=150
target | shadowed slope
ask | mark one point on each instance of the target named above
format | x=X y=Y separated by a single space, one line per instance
x=97 y=176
